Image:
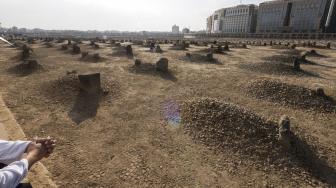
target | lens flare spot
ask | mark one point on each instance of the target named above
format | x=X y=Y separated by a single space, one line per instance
x=171 y=112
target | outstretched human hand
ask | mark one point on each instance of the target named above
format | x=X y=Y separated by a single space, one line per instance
x=35 y=153
x=48 y=143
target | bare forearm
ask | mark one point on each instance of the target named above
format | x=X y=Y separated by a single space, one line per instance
x=31 y=160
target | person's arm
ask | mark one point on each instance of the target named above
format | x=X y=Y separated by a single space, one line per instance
x=11 y=151
x=13 y=174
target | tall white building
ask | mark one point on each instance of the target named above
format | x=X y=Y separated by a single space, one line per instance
x=176 y=29
x=237 y=19
x=240 y=19
x=209 y=24
x=217 y=21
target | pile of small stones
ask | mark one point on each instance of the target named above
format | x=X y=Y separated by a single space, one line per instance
x=224 y=125
x=248 y=138
x=291 y=95
x=180 y=45
x=161 y=66
x=199 y=58
x=219 y=49
x=286 y=56
x=66 y=88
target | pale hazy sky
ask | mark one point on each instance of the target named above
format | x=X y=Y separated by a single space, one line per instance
x=123 y=15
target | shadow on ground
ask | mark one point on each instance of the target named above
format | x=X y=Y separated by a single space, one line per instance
x=24 y=69
x=85 y=107
x=150 y=69
x=276 y=68
x=201 y=59
x=306 y=157
x=290 y=95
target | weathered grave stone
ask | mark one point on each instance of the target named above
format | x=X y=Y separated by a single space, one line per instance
x=162 y=65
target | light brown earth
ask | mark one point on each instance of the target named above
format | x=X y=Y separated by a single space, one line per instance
x=38 y=176
x=130 y=144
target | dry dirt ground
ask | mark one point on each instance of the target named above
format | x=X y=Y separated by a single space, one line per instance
x=128 y=142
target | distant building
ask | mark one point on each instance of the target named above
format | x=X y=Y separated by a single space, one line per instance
x=176 y=29
x=296 y=16
x=217 y=21
x=273 y=16
x=239 y=19
x=309 y=15
x=330 y=25
x=185 y=30
x=209 y=24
